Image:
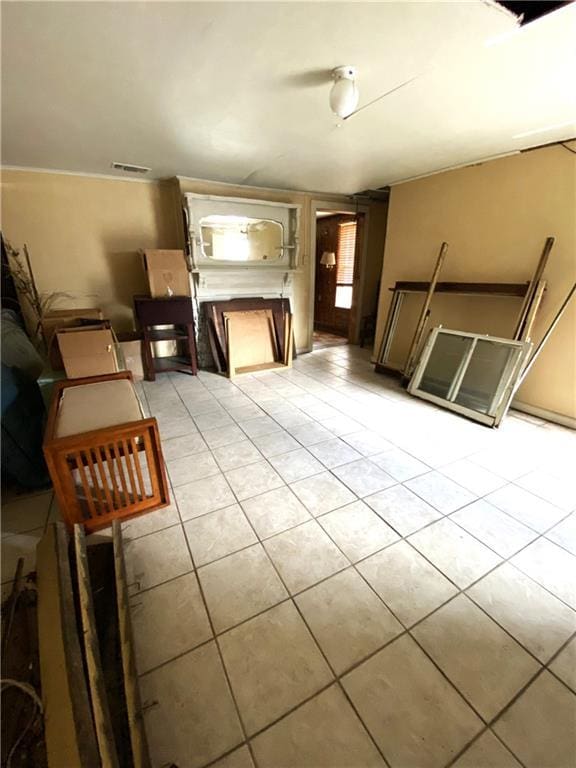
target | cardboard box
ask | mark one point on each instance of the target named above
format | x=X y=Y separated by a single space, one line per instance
x=131 y=354
x=65 y=318
x=87 y=352
x=167 y=273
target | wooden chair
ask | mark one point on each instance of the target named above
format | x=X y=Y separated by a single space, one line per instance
x=103 y=455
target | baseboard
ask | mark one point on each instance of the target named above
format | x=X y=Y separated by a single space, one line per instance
x=543 y=413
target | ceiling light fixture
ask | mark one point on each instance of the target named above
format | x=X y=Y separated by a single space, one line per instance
x=344 y=94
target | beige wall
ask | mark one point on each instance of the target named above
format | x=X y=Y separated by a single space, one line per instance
x=84 y=233
x=374 y=252
x=495 y=218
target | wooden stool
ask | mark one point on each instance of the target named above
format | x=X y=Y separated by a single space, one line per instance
x=104 y=457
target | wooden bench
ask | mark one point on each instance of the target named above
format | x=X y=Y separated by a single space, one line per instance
x=103 y=455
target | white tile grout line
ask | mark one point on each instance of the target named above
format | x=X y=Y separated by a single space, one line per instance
x=290 y=598
x=314 y=420
x=218 y=648
x=407 y=631
x=539 y=534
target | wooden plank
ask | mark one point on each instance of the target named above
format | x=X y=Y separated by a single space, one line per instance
x=68 y=724
x=540 y=267
x=425 y=313
x=230 y=351
x=140 y=754
x=100 y=709
x=494 y=289
x=219 y=359
x=261 y=367
x=533 y=311
x=289 y=346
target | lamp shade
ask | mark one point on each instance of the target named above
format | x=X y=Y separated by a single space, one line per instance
x=344 y=95
x=328 y=259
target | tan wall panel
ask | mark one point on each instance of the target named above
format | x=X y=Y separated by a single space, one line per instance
x=495 y=217
x=84 y=233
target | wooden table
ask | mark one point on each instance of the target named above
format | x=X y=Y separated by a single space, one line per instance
x=170 y=310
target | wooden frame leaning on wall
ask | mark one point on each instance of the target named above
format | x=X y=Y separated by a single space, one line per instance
x=404 y=288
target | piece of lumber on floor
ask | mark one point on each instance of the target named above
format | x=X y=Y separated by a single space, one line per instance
x=98 y=694
x=140 y=755
x=70 y=735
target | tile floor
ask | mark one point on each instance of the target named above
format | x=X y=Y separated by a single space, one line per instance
x=323 y=339
x=348 y=577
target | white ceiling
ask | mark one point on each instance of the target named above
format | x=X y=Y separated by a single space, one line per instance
x=238 y=91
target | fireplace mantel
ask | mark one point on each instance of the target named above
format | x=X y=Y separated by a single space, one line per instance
x=224 y=280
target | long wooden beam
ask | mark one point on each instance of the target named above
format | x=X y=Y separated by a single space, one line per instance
x=491 y=289
x=529 y=297
x=526 y=334
x=425 y=313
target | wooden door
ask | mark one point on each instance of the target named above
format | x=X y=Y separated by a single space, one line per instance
x=325 y=286
x=328 y=317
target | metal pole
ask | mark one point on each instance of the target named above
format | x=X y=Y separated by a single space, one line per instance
x=545 y=338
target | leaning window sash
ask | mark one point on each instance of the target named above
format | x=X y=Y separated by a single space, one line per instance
x=497 y=398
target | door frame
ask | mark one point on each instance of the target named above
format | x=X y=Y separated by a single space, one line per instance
x=358 y=291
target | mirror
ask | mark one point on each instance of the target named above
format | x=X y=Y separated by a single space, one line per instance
x=240 y=238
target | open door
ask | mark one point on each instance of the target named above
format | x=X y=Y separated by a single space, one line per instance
x=338 y=245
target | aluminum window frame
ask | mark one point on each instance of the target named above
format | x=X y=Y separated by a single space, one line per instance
x=504 y=391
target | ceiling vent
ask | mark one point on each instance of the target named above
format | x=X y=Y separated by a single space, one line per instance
x=130 y=168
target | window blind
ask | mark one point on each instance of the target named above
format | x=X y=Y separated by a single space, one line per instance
x=345 y=255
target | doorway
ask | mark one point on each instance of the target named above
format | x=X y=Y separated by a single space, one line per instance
x=338 y=247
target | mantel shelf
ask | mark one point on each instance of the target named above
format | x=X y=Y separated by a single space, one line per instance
x=242 y=268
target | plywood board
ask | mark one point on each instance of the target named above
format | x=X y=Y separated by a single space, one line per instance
x=214 y=314
x=252 y=337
